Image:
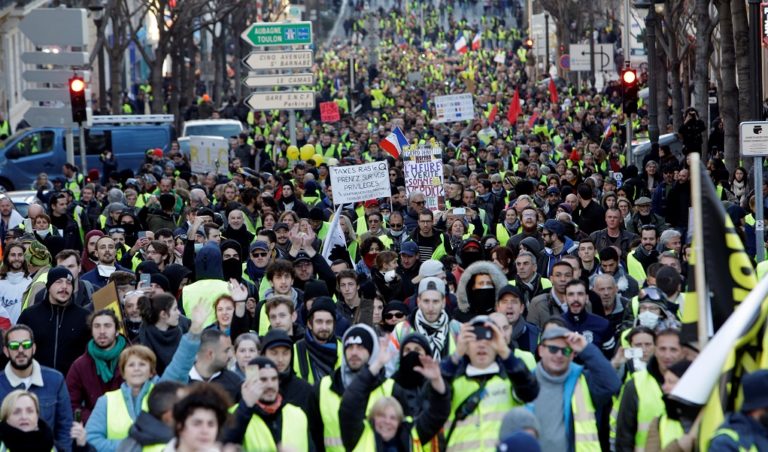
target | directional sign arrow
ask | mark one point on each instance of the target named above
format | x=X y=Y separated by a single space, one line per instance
x=270 y=81
x=296 y=59
x=56 y=26
x=282 y=100
x=56 y=59
x=53 y=76
x=269 y=34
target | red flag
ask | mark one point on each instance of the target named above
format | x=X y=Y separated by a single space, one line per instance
x=532 y=119
x=514 y=108
x=493 y=113
x=552 y=90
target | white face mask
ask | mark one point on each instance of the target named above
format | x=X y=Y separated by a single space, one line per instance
x=648 y=319
x=396 y=233
x=43 y=233
x=390 y=276
x=198 y=247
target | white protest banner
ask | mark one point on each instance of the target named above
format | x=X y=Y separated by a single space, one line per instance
x=424 y=172
x=209 y=154
x=426 y=177
x=454 y=107
x=357 y=183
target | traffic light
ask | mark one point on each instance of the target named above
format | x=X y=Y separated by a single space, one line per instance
x=77 y=99
x=629 y=89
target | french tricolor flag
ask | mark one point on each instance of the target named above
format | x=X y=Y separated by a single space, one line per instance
x=394 y=143
x=461 y=45
x=476 y=42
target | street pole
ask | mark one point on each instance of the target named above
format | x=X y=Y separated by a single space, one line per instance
x=627 y=63
x=755 y=108
x=83 y=162
x=591 y=44
x=650 y=44
x=352 y=86
x=69 y=141
x=546 y=43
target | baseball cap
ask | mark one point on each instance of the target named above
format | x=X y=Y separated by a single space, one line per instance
x=301 y=256
x=432 y=283
x=281 y=226
x=409 y=248
x=509 y=289
x=259 y=245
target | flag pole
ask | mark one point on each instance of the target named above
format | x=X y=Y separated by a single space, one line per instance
x=698 y=249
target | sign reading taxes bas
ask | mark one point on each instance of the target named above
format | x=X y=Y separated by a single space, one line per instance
x=266 y=34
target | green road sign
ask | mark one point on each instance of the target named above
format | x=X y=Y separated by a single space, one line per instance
x=278 y=34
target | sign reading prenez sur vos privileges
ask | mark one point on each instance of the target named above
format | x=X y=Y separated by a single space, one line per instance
x=355 y=183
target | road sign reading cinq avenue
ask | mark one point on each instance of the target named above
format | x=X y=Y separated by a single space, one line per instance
x=267 y=34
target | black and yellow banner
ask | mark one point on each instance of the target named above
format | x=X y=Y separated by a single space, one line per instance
x=728 y=269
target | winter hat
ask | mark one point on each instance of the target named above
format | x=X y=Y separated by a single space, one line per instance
x=323 y=303
x=57 y=273
x=161 y=280
x=519 y=442
x=755 y=386
x=556 y=227
x=516 y=420
x=360 y=335
x=262 y=363
x=37 y=254
x=275 y=338
x=315 y=288
x=231 y=244
x=532 y=245
x=417 y=339
x=395 y=305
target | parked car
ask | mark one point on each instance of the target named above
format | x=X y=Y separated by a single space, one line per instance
x=642 y=148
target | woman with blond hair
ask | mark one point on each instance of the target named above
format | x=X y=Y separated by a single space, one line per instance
x=116 y=410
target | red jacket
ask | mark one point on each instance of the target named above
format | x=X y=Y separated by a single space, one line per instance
x=85 y=386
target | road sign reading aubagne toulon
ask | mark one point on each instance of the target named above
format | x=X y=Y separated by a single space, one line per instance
x=278 y=34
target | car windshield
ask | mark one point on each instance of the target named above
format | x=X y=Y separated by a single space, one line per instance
x=214 y=130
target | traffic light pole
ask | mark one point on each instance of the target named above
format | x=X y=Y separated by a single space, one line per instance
x=69 y=140
x=83 y=161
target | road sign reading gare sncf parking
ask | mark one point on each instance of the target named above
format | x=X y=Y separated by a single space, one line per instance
x=282 y=100
x=753 y=138
x=268 y=34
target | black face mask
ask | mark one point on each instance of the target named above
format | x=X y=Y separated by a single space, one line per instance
x=470 y=257
x=232 y=268
x=260 y=144
x=407 y=377
x=396 y=206
x=482 y=301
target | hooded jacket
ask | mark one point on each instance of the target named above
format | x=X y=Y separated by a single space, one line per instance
x=481 y=267
x=61 y=333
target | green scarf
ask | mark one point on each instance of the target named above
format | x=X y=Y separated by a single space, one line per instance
x=106 y=360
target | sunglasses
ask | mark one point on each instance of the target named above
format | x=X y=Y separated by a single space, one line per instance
x=395 y=226
x=419 y=203
x=554 y=349
x=257 y=255
x=394 y=315
x=26 y=345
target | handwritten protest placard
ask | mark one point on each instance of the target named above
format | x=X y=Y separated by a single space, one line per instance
x=355 y=183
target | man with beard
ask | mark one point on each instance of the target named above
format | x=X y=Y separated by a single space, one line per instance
x=416 y=206
x=430 y=320
x=426 y=236
x=319 y=353
x=60 y=326
x=646 y=253
x=556 y=245
x=361 y=346
x=14 y=279
x=530 y=228
x=552 y=303
x=25 y=372
x=277 y=347
x=644 y=217
x=95 y=372
x=288 y=201
x=595 y=329
x=105 y=252
x=408 y=268
x=263 y=409
x=211 y=363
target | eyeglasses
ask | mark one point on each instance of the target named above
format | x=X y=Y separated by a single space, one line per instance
x=26 y=345
x=394 y=315
x=554 y=349
x=496 y=182
x=258 y=255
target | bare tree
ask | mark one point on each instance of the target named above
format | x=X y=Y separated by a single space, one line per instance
x=729 y=107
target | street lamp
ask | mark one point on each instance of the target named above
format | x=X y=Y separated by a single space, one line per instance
x=96 y=7
x=653 y=7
